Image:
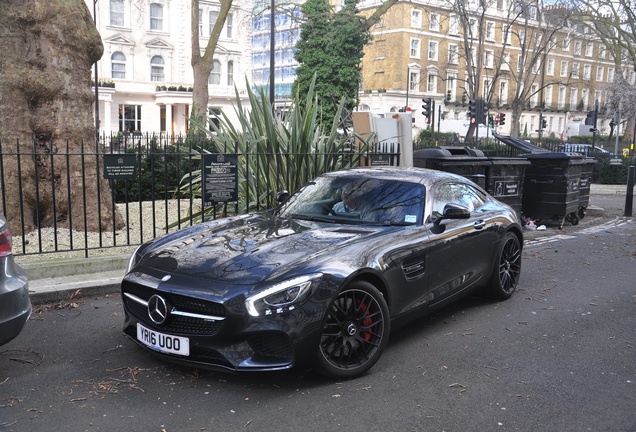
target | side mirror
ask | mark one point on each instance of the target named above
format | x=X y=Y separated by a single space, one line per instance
x=282 y=196
x=453 y=211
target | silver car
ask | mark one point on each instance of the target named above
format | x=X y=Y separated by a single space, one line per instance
x=15 y=305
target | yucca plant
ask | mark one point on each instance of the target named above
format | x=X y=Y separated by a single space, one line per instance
x=275 y=151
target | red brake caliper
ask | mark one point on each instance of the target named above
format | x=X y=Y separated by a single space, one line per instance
x=366 y=322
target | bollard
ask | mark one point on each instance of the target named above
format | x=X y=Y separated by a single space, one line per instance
x=629 y=196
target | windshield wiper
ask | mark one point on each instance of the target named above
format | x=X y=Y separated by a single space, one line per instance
x=312 y=218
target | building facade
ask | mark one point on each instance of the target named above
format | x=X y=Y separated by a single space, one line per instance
x=145 y=75
x=418 y=50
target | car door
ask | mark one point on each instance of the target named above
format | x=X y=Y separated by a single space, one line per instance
x=460 y=251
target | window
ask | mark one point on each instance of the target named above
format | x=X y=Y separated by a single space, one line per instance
x=453 y=25
x=415 y=48
x=535 y=66
x=414 y=81
x=230 y=73
x=213 y=16
x=505 y=63
x=157 y=69
x=601 y=51
x=600 y=71
x=433 y=24
x=562 y=90
x=575 y=70
x=566 y=43
x=215 y=75
x=548 y=95
x=577 y=47
x=453 y=54
x=432 y=50
x=229 y=25
x=416 y=18
x=489 y=58
x=455 y=193
x=584 y=97
x=587 y=72
x=610 y=74
x=201 y=24
x=118 y=65
x=505 y=35
x=589 y=49
x=431 y=84
x=574 y=95
x=490 y=31
x=550 y=67
x=534 y=92
x=503 y=92
x=129 y=118
x=522 y=37
x=156 y=17
x=213 y=116
x=117 y=13
x=451 y=88
x=564 y=68
x=472 y=25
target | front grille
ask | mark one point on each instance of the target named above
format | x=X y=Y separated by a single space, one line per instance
x=175 y=323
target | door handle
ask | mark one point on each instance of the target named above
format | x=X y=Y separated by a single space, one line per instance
x=480 y=224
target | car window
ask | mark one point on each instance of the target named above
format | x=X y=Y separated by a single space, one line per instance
x=351 y=199
x=455 y=193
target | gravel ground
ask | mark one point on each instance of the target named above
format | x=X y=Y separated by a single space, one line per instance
x=41 y=244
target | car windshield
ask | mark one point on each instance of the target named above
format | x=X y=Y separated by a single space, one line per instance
x=357 y=200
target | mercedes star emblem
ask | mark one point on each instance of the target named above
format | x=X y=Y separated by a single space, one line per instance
x=157 y=309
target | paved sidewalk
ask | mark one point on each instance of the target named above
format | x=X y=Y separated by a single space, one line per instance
x=58 y=280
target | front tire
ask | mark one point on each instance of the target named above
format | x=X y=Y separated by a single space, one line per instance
x=505 y=275
x=355 y=331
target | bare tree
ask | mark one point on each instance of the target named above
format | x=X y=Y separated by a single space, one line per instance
x=613 y=23
x=202 y=64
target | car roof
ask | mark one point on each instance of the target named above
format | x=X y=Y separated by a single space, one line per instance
x=410 y=174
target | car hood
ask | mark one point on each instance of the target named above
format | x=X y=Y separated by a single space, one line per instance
x=249 y=250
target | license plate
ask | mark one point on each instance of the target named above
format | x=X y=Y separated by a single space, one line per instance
x=162 y=342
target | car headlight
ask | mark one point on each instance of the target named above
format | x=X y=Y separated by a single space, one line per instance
x=282 y=297
x=133 y=259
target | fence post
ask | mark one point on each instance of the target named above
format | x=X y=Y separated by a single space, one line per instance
x=629 y=196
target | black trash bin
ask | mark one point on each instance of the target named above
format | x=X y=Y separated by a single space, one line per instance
x=465 y=161
x=504 y=180
x=551 y=187
x=587 y=174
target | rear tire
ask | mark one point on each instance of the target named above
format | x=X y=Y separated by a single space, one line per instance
x=355 y=331
x=505 y=275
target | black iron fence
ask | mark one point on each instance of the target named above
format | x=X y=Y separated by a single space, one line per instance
x=84 y=199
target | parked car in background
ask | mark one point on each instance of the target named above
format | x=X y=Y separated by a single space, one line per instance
x=323 y=277
x=584 y=149
x=15 y=305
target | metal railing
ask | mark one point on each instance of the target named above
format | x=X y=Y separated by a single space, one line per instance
x=42 y=185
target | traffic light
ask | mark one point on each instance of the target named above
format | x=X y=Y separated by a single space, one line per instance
x=544 y=123
x=591 y=118
x=427 y=108
x=474 y=108
x=491 y=121
x=502 y=119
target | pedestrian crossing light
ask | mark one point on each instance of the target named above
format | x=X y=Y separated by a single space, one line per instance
x=502 y=119
x=544 y=124
x=491 y=121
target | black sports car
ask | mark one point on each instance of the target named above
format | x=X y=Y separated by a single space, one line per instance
x=322 y=277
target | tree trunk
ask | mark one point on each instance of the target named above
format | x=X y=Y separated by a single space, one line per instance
x=46 y=103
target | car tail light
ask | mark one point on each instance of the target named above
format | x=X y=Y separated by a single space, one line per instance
x=5 y=241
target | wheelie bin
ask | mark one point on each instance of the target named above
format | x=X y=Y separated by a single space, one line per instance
x=504 y=180
x=551 y=187
x=465 y=161
x=587 y=173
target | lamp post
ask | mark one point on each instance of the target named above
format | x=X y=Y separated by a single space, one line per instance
x=272 y=38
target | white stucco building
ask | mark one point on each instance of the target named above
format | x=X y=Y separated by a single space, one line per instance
x=145 y=73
